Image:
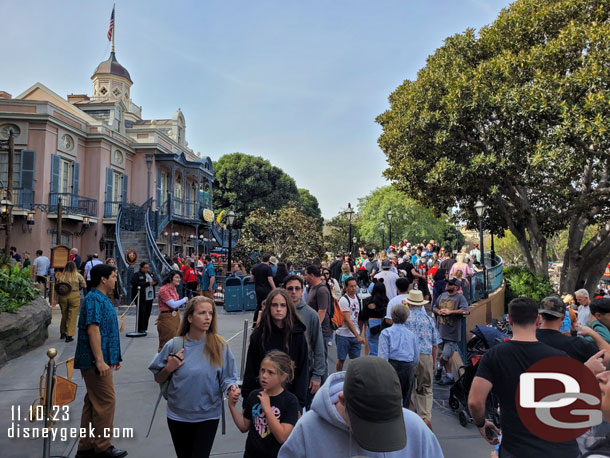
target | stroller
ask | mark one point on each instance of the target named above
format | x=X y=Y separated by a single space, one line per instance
x=484 y=338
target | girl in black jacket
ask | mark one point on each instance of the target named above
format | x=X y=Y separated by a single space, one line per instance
x=279 y=329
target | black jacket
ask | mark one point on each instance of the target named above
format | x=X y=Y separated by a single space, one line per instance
x=298 y=353
x=139 y=279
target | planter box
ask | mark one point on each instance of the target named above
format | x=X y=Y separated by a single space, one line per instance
x=24 y=330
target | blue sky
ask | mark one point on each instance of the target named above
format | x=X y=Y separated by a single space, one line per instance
x=296 y=82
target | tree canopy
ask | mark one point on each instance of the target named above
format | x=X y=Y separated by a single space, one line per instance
x=245 y=183
x=517 y=116
x=410 y=221
x=309 y=204
x=286 y=233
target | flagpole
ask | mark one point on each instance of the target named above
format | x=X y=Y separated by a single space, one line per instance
x=114 y=25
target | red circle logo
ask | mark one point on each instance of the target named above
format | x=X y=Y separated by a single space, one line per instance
x=558 y=399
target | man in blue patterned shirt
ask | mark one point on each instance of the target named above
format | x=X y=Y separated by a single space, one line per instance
x=98 y=351
x=428 y=338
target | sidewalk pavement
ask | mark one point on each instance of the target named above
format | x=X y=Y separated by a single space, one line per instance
x=137 y=392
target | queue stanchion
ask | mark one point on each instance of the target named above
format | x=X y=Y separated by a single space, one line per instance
x=48 y=405
x=243 y=351
x=137 y=333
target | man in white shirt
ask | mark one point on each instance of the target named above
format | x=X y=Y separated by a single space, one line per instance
x=347 y=336
x=90 y=265
x=402 y=287
x=582 y=297
x=389 y=279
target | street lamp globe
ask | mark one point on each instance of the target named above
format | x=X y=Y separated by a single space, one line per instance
x=389 y=215
x=230 y=218
x=480 y=208
x=5 y=206
x=349 y=212
x=354 y=239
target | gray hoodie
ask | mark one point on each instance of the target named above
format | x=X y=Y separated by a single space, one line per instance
x=315 y=341
x=323 y=432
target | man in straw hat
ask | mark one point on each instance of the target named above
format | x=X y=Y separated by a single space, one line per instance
x=360 y=413
x=428 y=339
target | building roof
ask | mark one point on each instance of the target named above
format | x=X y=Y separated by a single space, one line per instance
x=112 y=67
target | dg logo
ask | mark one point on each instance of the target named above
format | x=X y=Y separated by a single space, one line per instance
x=558 y=399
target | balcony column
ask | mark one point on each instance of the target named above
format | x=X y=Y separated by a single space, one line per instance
x=149 y=167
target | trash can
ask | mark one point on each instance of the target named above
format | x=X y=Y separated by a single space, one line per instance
x=249 y=295
x=233 y=294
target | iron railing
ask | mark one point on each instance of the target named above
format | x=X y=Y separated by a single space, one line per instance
x=121 y=263
x=157 y=260
x=111 y=208
x=73 y=203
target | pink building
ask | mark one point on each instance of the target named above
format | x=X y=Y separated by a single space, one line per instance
x=99 y=156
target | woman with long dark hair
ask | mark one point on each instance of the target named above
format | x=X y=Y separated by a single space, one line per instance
x=200 y=373
x=169 y=316
x=281 y=329
x=374 y=310
x=280 y=274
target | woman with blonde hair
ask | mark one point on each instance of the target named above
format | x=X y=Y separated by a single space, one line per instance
x=279 y=328
x=201 y=371
x=69 y=303
x=462 y=265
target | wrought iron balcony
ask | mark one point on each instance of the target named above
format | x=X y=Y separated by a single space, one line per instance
x=72 y=204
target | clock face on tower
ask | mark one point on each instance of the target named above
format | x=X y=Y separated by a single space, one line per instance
x=118 y=157
x=5 y=131
x=67 y=142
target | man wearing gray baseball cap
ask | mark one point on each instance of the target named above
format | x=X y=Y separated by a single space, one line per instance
x=359 y=413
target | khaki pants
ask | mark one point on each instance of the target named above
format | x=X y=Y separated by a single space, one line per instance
x=422 y=394
x=70 y=306
x=167 y=326
x=98 y=409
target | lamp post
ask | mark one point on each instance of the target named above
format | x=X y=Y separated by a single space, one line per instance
x=382 y=226
x=230 y=221
x=354 y=239
x=349 y=213
x=390 y=229
x=480 y=209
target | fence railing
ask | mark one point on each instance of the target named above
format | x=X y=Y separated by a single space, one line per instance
x=111 y=208
x=73 y=203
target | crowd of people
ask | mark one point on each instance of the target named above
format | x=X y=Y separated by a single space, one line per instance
x=401 y=309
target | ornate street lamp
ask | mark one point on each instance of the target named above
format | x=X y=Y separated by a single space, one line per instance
x=382 y=226
x=480 y=208
x=349 y=213
x=390 y=229
x=230 y=221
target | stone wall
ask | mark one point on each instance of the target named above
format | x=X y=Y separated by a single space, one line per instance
x=24 y=330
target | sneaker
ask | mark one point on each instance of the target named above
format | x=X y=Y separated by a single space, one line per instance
x=438 y=374
x=446 y=381
x=330 y=344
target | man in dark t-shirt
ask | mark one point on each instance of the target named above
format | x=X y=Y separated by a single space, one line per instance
x=335 y=268
x=552 y=312
x=263 y=283
x=499 y=371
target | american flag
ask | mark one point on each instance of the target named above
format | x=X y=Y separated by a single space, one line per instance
x=111 y=26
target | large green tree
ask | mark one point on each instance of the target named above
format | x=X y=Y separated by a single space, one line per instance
x=309 y=204
x=286 y=233
x=410 y=221
x=517 y=116
x=245 y=183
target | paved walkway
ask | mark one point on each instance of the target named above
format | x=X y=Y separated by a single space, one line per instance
x=137 y=392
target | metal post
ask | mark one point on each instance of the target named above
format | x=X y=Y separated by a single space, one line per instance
x=9 y=190
x=229 y=256
x=137 y=332
x=483 y=257
x=383 y=238
x=243 y=351
x=493 y=252
x=48 y=407
x=349 y=239
x=60 y=212
x=390 y=233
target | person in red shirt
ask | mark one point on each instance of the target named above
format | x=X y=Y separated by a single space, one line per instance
x=169 y=317
x=189 y=274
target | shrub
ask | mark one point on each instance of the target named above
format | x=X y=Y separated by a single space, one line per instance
x=16 y=287
x=520 y=282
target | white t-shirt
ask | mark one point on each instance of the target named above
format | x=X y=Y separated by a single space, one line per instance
x=396 y=301
x=90 y=265
x=347 y=304
x=389 y=280
x=583 y=315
